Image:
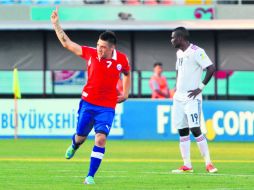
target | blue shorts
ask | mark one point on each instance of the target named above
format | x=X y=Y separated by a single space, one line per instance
x=90 y=115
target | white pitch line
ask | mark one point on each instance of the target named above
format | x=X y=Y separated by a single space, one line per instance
x=201 y=174
x=218 y=174
x=170 y=173
x=230 y=188
x=110 y=176
x=114 y=171
x=63 y=171
x=69 y=176
x=155 y=173
x=112 y=160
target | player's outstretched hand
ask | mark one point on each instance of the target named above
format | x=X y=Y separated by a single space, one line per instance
x=54 y=16
x=120 y=98
x=194 y=93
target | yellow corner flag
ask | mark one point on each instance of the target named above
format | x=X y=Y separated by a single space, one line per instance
x=16 y=89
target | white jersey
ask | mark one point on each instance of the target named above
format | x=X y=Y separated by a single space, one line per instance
x=190 y=64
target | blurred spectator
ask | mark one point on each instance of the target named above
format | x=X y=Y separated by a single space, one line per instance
x=197 y=2
x=150 y=2
x=158 y=83
x=166 y=2
x=131 y=2
x=94 y=1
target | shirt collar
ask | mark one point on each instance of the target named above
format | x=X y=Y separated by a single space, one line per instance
x=114 y=55
x=188 y=48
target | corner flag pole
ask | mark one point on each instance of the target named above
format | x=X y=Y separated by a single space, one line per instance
x=17 y=95
x=15 y=117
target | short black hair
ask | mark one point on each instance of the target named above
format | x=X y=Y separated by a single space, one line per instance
x=157 y=64
x=182 y=32
x=108 y=36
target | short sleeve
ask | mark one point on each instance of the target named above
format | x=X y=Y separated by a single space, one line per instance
x=87 y=52
x=154 y=85
x=202 y=59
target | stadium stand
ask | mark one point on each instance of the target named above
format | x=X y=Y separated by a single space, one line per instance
x=125 y=2
x=139 y=39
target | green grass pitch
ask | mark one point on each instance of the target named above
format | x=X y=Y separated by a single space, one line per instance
x=31 y=164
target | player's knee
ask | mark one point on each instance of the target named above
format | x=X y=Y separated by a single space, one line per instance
x=196 y=131
x=80 y=139
x=184 y=132
x=100 y=139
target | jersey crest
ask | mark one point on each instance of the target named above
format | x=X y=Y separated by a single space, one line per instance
x=119 y=67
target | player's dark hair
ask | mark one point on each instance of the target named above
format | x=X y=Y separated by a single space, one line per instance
x=108 y=36
x=182 y=32
x=157 y=64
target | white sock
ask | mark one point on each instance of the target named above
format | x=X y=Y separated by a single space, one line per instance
x=185 y=150
x=203 y=147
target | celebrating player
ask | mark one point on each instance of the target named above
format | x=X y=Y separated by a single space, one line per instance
x=187 y=101
x=99 y=96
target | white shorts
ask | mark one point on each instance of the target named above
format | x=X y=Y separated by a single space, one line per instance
x=186 y=114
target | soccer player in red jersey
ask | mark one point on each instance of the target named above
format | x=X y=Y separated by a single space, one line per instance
x=99 y=95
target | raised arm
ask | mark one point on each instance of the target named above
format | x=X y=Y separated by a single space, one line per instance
x=63 y=38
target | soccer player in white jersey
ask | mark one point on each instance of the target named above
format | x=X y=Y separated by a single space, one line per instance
x=187 y=101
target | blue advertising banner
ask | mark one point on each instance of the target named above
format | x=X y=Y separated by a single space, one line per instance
x=229 y=120
x=148 y=119
x=220 y=121
x=140 y=119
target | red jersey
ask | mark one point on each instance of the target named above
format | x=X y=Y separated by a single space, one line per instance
x=158 y=83
x=103 y=76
